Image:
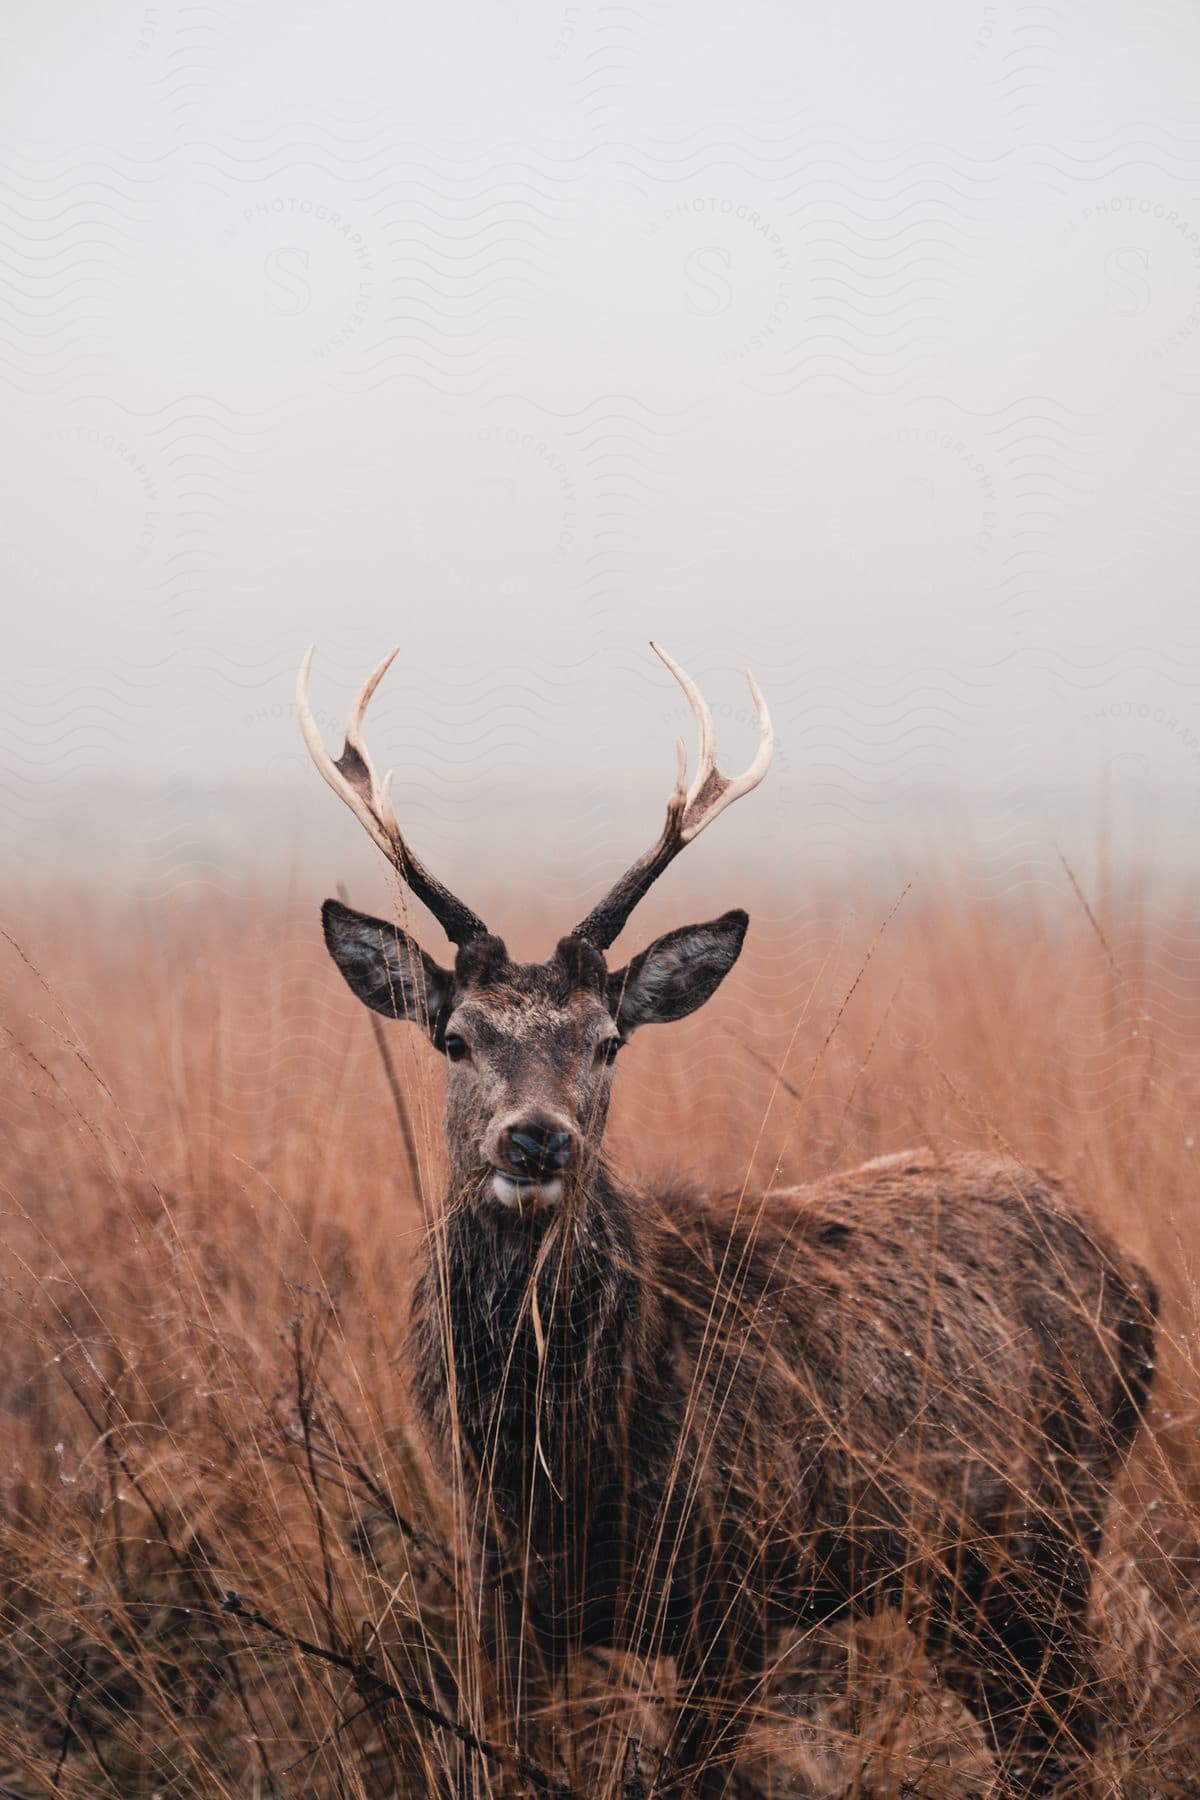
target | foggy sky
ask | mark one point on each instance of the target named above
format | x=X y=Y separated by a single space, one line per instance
x=860 y=345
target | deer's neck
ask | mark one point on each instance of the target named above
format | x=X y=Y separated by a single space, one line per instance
x=528 y=1333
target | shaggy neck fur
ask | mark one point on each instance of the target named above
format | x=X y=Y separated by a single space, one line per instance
x=523 y=1323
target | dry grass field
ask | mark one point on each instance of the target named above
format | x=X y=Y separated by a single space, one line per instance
x=225 y=1568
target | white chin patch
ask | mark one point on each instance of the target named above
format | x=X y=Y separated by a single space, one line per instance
x=518 y=1194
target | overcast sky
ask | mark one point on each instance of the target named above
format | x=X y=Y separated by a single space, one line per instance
x=860 y=344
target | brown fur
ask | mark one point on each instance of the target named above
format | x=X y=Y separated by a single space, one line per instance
x=910 y=1384
x=685 y=1425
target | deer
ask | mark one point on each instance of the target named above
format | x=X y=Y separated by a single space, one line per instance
x=683 y=1423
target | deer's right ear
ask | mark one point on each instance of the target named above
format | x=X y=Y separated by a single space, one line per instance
x=387 y=969
x=678 y=973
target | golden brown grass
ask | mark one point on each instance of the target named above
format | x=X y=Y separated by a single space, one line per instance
x=225 y=1568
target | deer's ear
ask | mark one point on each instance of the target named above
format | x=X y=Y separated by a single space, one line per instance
x=387 y=969
x=678 y=973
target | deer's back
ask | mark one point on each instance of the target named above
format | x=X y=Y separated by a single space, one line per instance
x=912 y=1341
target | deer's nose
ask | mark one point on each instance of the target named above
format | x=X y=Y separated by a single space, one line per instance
x=536 y=1146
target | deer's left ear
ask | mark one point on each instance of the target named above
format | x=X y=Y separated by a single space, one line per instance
x=387 y=969
x=678 y=972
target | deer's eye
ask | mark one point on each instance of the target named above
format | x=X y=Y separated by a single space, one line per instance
x=606 y=1052
x=456 y=1047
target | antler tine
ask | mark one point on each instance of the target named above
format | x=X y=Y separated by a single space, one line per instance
x=352 y=777
x=699 y=706
x=689 y=809
x=717 y=791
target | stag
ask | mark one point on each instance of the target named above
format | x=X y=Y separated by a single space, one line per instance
x=684 y=1425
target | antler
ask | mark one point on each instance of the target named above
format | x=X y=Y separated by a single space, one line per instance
x=353 y=779
x=689 y=809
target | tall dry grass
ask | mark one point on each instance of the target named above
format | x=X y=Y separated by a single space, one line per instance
x=226 y=1568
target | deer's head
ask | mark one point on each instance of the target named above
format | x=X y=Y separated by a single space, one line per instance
x=530 y=1046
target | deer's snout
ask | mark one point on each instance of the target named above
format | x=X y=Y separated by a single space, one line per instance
x=536 y=1147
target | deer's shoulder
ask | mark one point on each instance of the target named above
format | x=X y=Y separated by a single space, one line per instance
x=965 y=1204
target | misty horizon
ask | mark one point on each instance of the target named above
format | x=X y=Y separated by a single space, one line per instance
x=522 y=339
